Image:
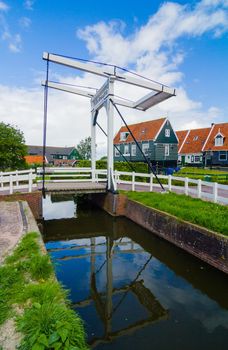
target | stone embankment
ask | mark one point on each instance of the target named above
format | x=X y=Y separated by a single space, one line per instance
x=206 y=245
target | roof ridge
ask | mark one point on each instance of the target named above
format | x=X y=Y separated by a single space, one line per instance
x=208 y=137
x=146 y=121
x=186 y=136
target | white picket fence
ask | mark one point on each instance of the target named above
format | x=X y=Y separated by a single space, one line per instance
x=19 y=180
x=71 y=174
x=23 y=180
x=197 y=188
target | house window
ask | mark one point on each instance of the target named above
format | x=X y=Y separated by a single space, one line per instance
x=222 y=155
x=166 y=150
x=192 y=159
x=117 y=153
x=64 y=157
x=145 y=148
x=126 y=150
x=167 y=132
x=197 y=158
x=133 y=150
x=123 y=136
x=219 y=140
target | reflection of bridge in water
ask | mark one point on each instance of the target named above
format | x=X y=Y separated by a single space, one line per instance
x=103 y=301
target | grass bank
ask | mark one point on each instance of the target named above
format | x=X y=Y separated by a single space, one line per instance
x=199 y=173
x=209 y=215
x=31 y=296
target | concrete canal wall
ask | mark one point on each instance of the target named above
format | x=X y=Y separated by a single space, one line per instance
x=206 y=245
x=33 y=199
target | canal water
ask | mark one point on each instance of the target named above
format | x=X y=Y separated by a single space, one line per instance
x=132 y=289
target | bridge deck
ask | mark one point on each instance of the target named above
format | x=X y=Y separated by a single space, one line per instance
x=73 y=187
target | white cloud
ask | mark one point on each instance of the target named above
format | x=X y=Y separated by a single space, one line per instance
x=25 y=22
x=152 y=50
x=13 y=40
x=28 y=4
x=3 y=6
x=15 y=43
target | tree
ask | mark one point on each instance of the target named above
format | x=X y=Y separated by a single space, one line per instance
x=12 y=147
x=84 y=148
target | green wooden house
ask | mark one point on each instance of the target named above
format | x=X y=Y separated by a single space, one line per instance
x=156 y=138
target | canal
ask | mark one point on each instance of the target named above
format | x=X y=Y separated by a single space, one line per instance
x=132 y=289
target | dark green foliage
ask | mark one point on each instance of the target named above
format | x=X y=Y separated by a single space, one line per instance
x=51 y=326
x=40 y=267
x=209 y=215
x=27 y=280
x=10 y=281
x=12 y=148
x=139 y=167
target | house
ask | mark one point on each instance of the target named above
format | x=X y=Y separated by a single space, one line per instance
x=35 y=160
x=215 y=148
x=58 y=156
x=156 y=138
x=190 y=146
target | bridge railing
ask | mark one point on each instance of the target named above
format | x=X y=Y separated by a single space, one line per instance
x=19 y=180
x=211 y=191
x=69 y=174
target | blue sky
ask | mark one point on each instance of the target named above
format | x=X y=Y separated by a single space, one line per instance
x=182 y=44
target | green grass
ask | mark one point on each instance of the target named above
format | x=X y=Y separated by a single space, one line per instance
x=198 y=173
x=201 y=171
x=27 y=282
x=209 y=215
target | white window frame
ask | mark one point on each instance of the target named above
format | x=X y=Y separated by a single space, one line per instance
x=126 y=150
x=221 y=160
x=124 y=135
x=219 y=140
x=145 y=148
x=65 y=157
x=133 y=150
x=197 y=159
x=167 y=132
x=117 y=151
x=166 y=150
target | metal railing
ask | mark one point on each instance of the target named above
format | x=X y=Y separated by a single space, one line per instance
x=18 y=180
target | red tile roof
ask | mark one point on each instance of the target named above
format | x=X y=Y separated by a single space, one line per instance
x=143 y=131
x=195 y=141
x=181 y=136
x=210 y=144
x=34 y=159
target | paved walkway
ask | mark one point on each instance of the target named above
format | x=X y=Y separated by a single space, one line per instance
x=11 y=227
